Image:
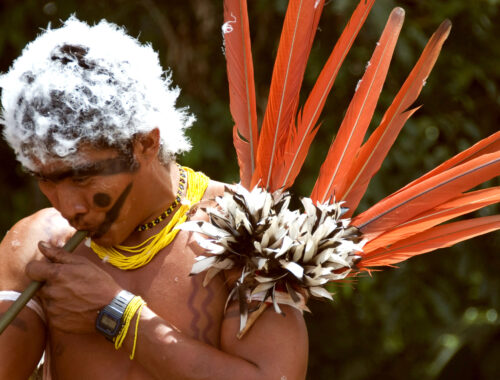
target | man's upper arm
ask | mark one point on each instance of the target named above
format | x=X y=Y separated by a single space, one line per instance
x=23 y=342
x=276 y=344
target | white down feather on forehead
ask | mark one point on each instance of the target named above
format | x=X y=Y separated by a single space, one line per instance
x=124 y=92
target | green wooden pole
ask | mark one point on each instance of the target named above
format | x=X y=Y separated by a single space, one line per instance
x=32 y=288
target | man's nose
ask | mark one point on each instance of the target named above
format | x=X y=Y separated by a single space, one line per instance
x=71 y=202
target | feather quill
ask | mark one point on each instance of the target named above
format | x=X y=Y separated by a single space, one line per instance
x=293 y=52
x=301 y=136
x=373 y=152
x=241 y=86
x=333 y=172
x=438 y=237
x=404 y=205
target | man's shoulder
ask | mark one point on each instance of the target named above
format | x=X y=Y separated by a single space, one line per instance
x=214 y=189
x=19 y=246
x=45 y=222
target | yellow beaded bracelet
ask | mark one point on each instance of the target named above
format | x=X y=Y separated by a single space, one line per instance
x=134 y=306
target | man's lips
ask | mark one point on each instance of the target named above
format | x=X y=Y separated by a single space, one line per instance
x=93 y=233
x=90 y=228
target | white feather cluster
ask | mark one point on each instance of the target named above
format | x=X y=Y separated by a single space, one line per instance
x=277 y=249
x=88 y=83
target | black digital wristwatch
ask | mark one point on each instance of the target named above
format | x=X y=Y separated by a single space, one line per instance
x=110 y=319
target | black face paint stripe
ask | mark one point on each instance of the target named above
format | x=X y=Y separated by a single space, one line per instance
x=110 y=166
x=113 y=212
x=102 y=199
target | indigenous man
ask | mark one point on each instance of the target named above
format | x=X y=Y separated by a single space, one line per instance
x=90 y=113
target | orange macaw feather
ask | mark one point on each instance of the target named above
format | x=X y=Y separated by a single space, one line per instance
x=404 y=205
x=241 y=86
x=438 y=237
x=293 y=52
x=373 y=152
x=490 y=144
x=463 y=204
x=333 y=172
x=301 y=136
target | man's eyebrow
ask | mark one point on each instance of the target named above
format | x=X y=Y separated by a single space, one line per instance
x=109 y=166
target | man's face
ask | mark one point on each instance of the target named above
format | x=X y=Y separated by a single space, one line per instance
x=93 y=193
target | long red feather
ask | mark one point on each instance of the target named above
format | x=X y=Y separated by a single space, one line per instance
x=333 y=172
x=438 y=237
x=293 y=52
x=241 y=86
x=404 y=205
x=373 y=152
x=301 y=136
x=318 y=10
x=460 y=205
x=488 y=145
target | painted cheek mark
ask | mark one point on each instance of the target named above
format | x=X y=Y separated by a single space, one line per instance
x=113 y=212
x=102 y=199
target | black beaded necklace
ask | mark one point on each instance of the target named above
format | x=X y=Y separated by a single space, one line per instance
x=173 y=205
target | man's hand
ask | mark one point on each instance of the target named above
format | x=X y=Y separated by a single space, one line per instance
x=75 y=289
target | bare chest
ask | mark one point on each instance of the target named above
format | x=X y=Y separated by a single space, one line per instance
x=169 y=290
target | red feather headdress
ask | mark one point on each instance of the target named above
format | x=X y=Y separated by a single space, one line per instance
x=280 y=251
x=286 y=134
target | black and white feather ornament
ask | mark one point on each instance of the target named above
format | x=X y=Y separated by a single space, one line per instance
x=285 y=256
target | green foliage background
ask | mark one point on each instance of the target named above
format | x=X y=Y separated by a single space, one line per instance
x=436 y=317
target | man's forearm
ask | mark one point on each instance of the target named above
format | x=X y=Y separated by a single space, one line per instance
x=21 y=344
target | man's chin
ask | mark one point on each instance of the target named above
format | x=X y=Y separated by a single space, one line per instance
x=108 y=238
x=104 y=240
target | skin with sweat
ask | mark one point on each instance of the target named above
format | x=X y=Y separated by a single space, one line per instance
x=183 y=331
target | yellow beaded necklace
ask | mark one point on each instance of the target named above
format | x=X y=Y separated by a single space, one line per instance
x=145 y=251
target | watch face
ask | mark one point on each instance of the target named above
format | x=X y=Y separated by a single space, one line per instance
x=108 y=323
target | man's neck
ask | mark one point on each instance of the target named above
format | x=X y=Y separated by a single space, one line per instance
x=159 y=186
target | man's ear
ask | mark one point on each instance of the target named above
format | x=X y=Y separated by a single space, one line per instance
x=147 y=145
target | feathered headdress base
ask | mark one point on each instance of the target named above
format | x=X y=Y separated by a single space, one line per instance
x=284 y=256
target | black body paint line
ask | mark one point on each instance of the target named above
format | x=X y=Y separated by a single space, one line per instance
x=117 y=165
x=18 y=322
x=195 y=313
x=102 y=200
x=113 y=212
x=206 y=312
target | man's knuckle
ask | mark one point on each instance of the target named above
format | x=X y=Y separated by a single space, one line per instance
x=55 y=272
